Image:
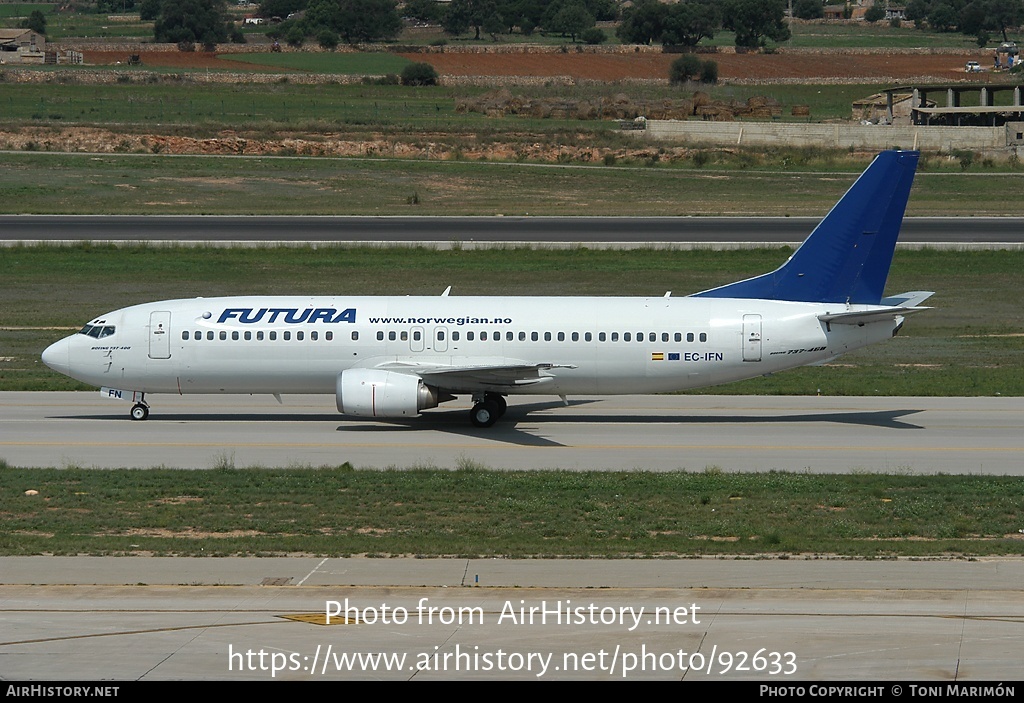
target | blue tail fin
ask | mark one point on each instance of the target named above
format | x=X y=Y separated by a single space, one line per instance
x=847 y=256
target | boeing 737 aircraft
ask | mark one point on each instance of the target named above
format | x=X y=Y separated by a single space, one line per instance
x=397 y=356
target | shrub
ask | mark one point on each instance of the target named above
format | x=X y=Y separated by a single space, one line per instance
x=419 y=74
x=708 y=72
x=594 y=36
x=327 y=39
x=685 y=68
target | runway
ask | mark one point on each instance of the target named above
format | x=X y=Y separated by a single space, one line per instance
x=769 y=621
x=612 y=232
x=660 y=433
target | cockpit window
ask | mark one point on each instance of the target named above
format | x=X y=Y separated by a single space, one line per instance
x=97 y=331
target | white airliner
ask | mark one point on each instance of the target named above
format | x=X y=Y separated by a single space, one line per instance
x=397 y=356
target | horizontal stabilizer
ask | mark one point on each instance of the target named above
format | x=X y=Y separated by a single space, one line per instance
x=863 y=317
x=910 y=300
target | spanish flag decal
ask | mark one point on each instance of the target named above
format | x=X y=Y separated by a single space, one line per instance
x=657 y=356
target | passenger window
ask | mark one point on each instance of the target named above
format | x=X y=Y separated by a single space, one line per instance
x=299 y=336
x=664 y=336
x=440 y=335
x=380 y=336
x=689 y=336
x=209 y=335
x=483 y=336
x=522 y=336
x=575 y=336
x=703 y=337
x=615 y=336
x=455 y=336
x=627 y=337
x=355 y=336
x=329 y=336
x=287 y=336
x=314 y=335
x=392 y=336
x=547 y=336
x=234 y=336
x=417 y=336
x=601 y=337
x=184 y=335
x=404 y=336
x=588 y=337
x=561 y=336
x=534 y=337
x=678 y=336
x=259 y=336
x=273 y=336
x=248 y=335
x=509 y=336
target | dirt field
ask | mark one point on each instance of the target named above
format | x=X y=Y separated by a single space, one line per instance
x=613 y=67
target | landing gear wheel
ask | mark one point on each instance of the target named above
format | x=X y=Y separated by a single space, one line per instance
x=499 y=403
x=140 y=411
x=484 y=414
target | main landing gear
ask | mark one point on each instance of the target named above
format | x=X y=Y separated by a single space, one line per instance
x=140 y=411
x=487 y=409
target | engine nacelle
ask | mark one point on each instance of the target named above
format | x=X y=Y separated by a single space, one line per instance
x=376 y=393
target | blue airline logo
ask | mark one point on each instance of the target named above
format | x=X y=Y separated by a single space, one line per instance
x=291 y=316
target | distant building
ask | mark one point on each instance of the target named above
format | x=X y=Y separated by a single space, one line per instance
x=21 y=46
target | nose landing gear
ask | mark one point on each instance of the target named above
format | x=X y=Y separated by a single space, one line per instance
x=140 y=411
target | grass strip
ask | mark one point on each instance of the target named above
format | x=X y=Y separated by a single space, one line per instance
x=339 y=511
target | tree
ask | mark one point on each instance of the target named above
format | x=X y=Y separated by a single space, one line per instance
x=149 y=10
x=354 y=20
x=36 y=22
x=568 y=18
x=756 y=21
x=809 y=9
x=203 y=21
x=642 y=23
x=689 y=21
x=463 y=14
x=874 y=13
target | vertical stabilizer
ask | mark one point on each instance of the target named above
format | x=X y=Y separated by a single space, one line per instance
x=847 y=256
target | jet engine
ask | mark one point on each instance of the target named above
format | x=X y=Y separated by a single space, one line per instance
x=375 y=393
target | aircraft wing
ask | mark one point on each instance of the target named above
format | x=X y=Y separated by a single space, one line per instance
x=486 y=376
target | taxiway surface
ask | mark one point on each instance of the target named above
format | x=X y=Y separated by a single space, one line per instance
x=733 y=433
x=702 y=619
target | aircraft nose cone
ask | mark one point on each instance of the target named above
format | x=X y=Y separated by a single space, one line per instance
x=56 y=356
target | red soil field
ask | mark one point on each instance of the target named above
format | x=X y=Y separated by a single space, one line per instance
x=614 y=67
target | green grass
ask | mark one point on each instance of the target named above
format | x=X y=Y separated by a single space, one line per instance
x=965 y=346
x=428 y=512
x=358 y=64
x=24 y=9
x=789 y=183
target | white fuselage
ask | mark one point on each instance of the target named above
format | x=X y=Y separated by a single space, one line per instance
x=594 y=345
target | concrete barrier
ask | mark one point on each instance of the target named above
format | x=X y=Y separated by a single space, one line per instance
x=831 y=136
